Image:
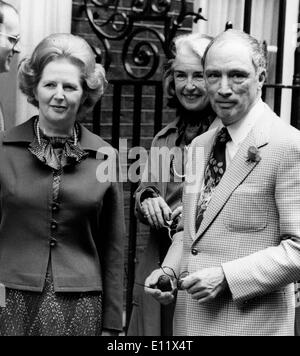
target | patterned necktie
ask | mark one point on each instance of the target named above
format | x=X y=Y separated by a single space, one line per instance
x=214 y=171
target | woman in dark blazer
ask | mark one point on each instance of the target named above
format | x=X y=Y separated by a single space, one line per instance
x=62 y=223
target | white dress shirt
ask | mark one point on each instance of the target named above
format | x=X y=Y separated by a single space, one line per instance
x=240 y=130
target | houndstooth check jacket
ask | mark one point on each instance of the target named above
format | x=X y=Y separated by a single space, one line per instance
x=252 y=229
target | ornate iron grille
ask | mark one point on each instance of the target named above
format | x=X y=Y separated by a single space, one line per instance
x=111 y=21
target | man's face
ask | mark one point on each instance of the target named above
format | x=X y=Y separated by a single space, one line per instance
x=9 y=30
x=232 y=82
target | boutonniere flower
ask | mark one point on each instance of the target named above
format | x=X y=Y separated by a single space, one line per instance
x=253 y=154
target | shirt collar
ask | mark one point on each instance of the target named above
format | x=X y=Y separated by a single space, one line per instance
x=240 y=130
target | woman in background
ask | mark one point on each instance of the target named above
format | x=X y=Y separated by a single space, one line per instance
x=158 y=197
x=61 y=251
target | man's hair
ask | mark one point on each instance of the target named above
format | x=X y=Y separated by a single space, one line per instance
x=258 y=49
x=3 y=6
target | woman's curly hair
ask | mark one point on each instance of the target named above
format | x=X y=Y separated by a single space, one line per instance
x=78 y=52
x=197 y=44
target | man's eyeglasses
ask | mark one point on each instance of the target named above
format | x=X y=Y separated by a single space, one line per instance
x=13 y=40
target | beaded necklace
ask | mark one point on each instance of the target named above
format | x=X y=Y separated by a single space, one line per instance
x=39 y=135
x=186 y=147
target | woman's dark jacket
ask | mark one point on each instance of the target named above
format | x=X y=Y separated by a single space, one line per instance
x=84 y=233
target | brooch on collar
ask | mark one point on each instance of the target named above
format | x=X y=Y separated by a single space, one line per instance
x=253 y=154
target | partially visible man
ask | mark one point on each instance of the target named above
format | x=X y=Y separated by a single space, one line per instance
x=241 y=238
x=9 y=37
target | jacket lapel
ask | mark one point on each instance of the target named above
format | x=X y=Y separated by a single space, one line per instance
x=236 y=173
x=23 y=133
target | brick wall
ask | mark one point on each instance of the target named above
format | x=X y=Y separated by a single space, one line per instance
x=80 y=26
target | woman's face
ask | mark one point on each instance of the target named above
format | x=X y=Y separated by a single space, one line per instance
x=59 y=93
x=189 y=83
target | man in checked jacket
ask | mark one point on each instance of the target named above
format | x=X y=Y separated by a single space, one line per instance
x=244 y=255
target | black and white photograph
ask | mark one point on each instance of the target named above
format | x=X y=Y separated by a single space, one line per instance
x=149 y=170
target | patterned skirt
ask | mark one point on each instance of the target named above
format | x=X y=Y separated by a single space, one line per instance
x=51 y=314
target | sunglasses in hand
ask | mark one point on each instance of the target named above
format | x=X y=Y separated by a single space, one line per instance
x=165 y=282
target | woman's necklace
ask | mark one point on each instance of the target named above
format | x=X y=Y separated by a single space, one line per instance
x=191 y=131
x=186 y=147
x=39 y=135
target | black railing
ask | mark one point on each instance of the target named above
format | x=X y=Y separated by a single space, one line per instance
x=247 y=16
x=295 y=118
x=138 y=86
x=278 y=87
x=280 y=53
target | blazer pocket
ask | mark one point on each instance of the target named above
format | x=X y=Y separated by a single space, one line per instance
x=246 y=212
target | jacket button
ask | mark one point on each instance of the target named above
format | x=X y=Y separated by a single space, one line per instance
x=55 y=208
x=53 y=242
x=194 y=251
x=53 y=226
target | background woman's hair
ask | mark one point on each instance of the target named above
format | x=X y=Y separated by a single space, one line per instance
x=78 y=52
x=197 y=44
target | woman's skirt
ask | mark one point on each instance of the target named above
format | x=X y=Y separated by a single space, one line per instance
x=51 y=314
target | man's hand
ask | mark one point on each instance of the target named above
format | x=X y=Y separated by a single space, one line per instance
x=151 y=281
x=156 y=211
x=206 y=284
